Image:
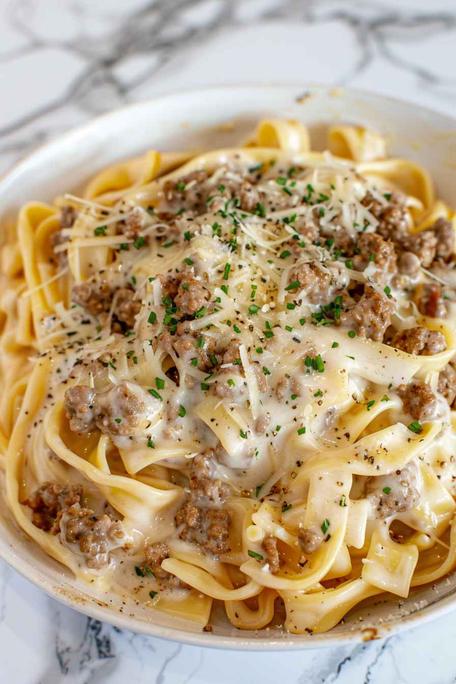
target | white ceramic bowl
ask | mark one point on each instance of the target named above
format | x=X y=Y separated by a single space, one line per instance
x=192 y=120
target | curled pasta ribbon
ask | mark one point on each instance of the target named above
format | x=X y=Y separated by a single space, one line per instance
x=376 y=454
x=30 y=220
x=402 y=175
x=357 y=143
x=319 y=611
x=432 y=574
x=323 y=496
x=108 y=186
x=243 y=617
x=200 y=579
x=289 y=136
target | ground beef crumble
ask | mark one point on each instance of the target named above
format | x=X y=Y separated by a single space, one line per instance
x=57 y=509
x=418 y=399
x=419 y=340
x=396 y=492
x=154 y=555
x=447 y=383
x=370 y=316
x=272 y=554
x=201 y=520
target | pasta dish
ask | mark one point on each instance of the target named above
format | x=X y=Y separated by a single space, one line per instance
x=228 y=379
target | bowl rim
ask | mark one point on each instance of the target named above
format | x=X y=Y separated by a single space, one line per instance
x=284 y=642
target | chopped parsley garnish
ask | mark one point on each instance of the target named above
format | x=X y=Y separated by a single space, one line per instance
x=291 y=306
x=260 y=210
x=325 y=525
x=351 y=333
x=182 y=411
x=152 y=318
x=226 y=271
x=188 y=261
x=139 y=242
x=254 y=554
x=343 y=501
x=315 y=362
x=180 y=186
x=293 y=285
x=253 y=308
x=242 y=434
x=204 y=386
x=286 y=253
x=266 y=371
x=387 y=291
x=301 y=430
x=159 y=383
x=334 y=345
x=370 y=404
x=155 y=394
x=386 y=490
x=153 y=594
x=100 y=230
x=150 y=443
x=201 y=312
x=188 y=236
x=328 y=313
x=415 y=426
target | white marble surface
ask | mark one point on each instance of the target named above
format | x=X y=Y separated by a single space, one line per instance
x=64 y=61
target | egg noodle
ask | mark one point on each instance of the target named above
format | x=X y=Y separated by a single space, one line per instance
x=226 y=378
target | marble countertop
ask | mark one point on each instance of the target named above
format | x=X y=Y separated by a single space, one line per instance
x=65 y=61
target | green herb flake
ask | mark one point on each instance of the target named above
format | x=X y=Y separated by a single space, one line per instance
x=293 y=285
x=139 y=242
x=386 y=490
x=182 y=412
x=415 y=426
x=325 y=525
x=100 y=230
x=254 y=554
